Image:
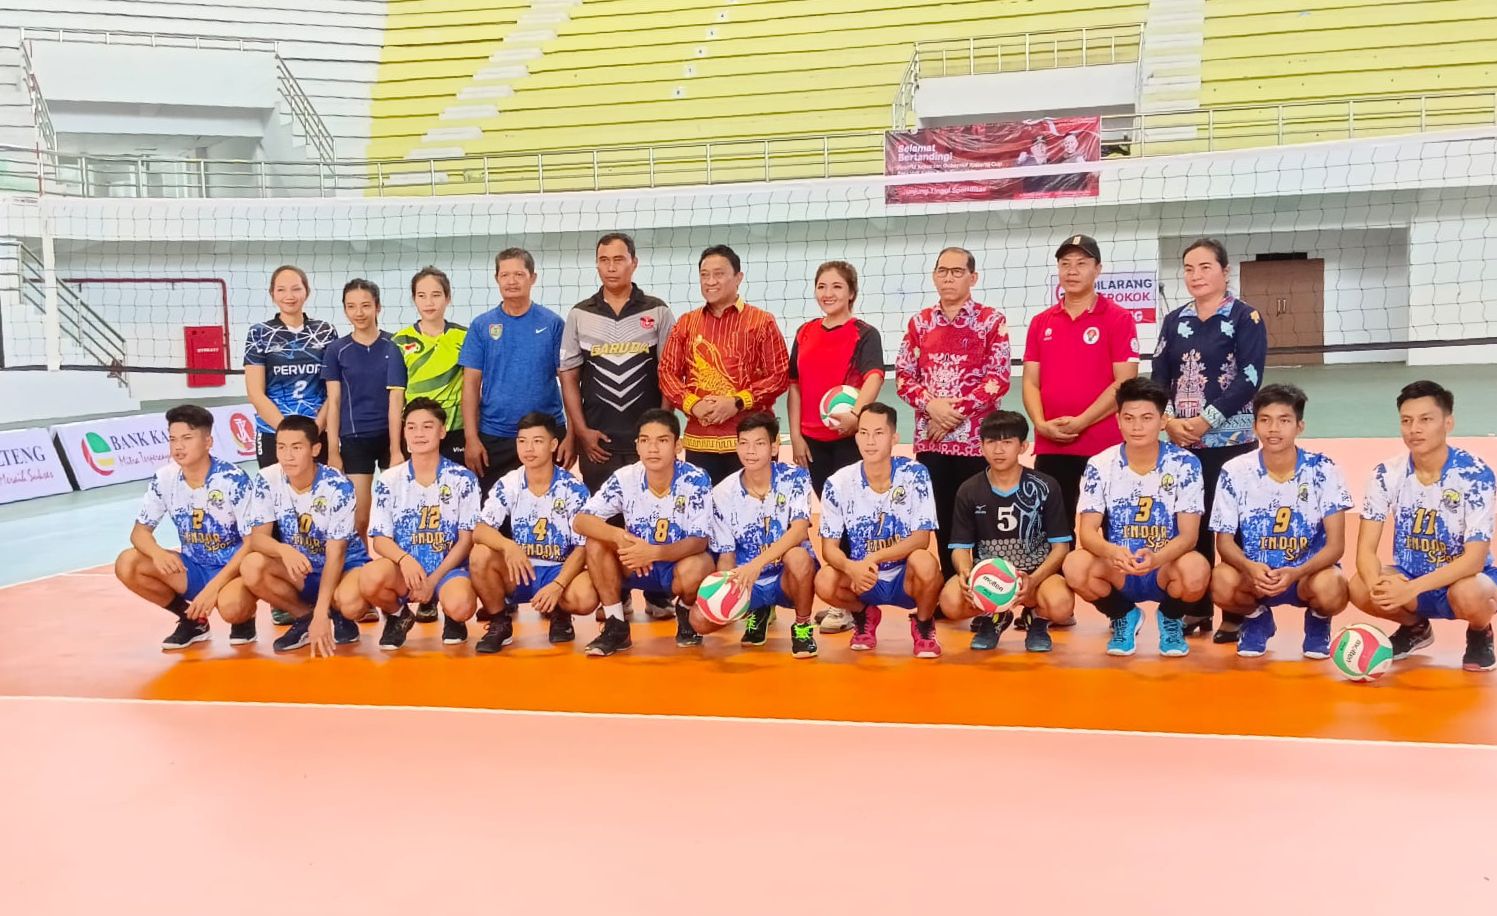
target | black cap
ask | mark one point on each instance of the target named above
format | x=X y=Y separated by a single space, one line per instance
x=1082 y=243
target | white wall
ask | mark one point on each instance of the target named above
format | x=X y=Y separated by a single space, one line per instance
x=1103 y=89
x=36 y=398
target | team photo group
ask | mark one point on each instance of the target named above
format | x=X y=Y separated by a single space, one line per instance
x=451 y=475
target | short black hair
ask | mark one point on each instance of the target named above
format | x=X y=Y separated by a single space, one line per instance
x=760 y=419
x=879 y=408
x=515 y=254
x=542 y=419
x=617 y=237
x=296 y=423
x=1215 y=247
x=1003 y=424
x=722 y=251
x=971 y=260
x=429 y=405
x=1288 y=395
x=1424 y=388
x=666 y=418
x=359 y=283
x=1143 y=389
x=199 y=418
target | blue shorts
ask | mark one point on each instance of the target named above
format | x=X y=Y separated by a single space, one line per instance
x=313 y=584
x=659 y=579
x=460 y=573
x=198 y=576
x=769 y=590
x=1435 y=603
x=1139 y=589
x=545 y=574
x=889 y=591
x=1289 y=596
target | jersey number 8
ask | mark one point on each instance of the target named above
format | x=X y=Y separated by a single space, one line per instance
x=662 y=530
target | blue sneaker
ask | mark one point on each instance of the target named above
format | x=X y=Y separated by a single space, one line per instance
x=1317 y=635
x=1125 y=629
x=1171 y=636
x=345 y=631
x=295 y=637
x=1037 y=637
x=1253 y=637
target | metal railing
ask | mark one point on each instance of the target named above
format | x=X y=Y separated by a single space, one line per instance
x=46 y=134
x=767 y=159
x=1015 y=52
x=96 y=338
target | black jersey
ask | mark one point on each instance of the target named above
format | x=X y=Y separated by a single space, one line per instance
x=1018 y=525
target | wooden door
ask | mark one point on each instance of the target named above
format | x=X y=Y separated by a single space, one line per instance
x=1290 y=295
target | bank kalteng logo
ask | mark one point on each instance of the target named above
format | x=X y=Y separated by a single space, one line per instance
x=98 y=453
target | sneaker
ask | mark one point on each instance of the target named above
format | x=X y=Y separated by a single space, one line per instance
x=1026 y=616
x=1317 y=636
x=1409 y=639
x=295 y=637
x=1194 y=625
x=425 y=612
x=499 y=633
x=370 y=616
x=1125 y=629
x=614 y=637
x=1256 y=631
x=988 y=629
x=865 y=627
x=561 y=627
x=281 y=618
x=1037 y=637
x=686 y=637
x=242 y=634
x=187 y=633
x=1479 y=655
x=756 y=626
x=924 y=634
x=396 y=628
x=454 y=632
x=836 y=621
x=659 y=607
x=1224 y=636
x=803 y=640
x=345 y=631
x=1172 y=636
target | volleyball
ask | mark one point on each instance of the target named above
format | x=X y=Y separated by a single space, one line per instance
x=721 y=599
x=995 y=585
x=838 y=402
x=1362 y=652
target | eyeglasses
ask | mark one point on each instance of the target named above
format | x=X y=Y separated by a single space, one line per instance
x=951 y=271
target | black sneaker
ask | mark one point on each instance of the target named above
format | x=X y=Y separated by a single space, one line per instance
x=281 y=618
x=1037 y=637
x=396 y=628
x=1479 y=655
x=242 y=634
x=756 y=626
x=295 y=637
x=454 y=632
x=1224 y=635
x=1199 y=625
x=614 y=637
x=345 y=631
x=499 y=633
x=686 y=637
x=1409 y=639
x=803 y=640
x=187 y=633
x=561 y=627
x=989 y=628
x=426 y=612
x=1021 y=623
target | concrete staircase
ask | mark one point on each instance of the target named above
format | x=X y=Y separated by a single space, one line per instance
x=1173 y=37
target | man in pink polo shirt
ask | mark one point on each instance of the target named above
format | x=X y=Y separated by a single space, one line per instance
x=1076 y=355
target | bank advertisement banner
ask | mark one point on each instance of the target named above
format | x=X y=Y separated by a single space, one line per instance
x=30 y=466
x=1006 y=144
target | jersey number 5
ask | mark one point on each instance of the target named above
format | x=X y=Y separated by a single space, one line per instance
x=1145 y=510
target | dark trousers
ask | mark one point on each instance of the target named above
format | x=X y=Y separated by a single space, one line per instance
x=1067 y=471
x=827 y=458
x=947 y=474
x=621 y=453
x=1212 y=460
x=718 y=465
x=502 y=459
x=454 y=445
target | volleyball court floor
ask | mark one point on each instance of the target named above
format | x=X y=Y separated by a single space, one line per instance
x=720 y=779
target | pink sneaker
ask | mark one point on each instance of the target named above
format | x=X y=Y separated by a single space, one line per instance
x=924 y=634
x=865 y=628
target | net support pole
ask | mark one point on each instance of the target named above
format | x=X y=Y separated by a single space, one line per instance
x=51 y=322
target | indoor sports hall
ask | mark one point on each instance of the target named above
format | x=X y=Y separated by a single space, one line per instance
x=159 y=160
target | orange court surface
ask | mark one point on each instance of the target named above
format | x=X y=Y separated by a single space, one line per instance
x=727 y=780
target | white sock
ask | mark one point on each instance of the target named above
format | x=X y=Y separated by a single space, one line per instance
x=616 y=611
x=1318 y=614
x=1256 y=611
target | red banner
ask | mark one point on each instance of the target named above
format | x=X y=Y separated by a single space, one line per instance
x=1048 y=141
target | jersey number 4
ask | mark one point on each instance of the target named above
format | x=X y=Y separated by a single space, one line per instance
x=538 y=530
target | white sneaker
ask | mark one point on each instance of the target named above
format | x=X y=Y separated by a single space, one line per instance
x=836 y=621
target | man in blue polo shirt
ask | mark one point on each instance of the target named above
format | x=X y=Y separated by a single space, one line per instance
x=510 y=359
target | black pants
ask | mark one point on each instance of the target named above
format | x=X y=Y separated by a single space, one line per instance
x=454 y=445
x=502 y=459
x=827 y=458
x=947 y=474
x=1067 y=471
x=1212 y=460
x=621 y=453
x=718 y=465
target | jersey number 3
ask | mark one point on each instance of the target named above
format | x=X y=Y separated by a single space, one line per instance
x=1145 y=510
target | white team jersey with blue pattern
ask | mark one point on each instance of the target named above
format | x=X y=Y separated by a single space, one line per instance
x=307 y=521
x=745 y=526
x=211 y=520
x=1138 y=510
x=1278 y=523
x=425 y=520
x=683 y=511
x=541 y=525
x=872 y=520
x=1431 y=524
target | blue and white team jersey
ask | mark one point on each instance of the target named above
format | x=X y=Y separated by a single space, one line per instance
x=293 y=364
x=212 y=520
x=873 y=521
x=1431 y=524
x=683 y=511
x=308 y=520
x=745 y=526
x=541 y=525
x=1278 y=523
x=1138 y=510
x=424 y=520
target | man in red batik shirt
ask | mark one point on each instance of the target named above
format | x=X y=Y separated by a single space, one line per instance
x=953 y=369
x=720 y=360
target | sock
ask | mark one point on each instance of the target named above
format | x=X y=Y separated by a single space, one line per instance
x=1113 y=604
x=1257 y=611
x=178 y=606
x=1316 y=614
x=615 y=611
x=1174 y=608
x=803 y=621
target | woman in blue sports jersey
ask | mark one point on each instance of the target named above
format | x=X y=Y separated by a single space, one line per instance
x=283 y=361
